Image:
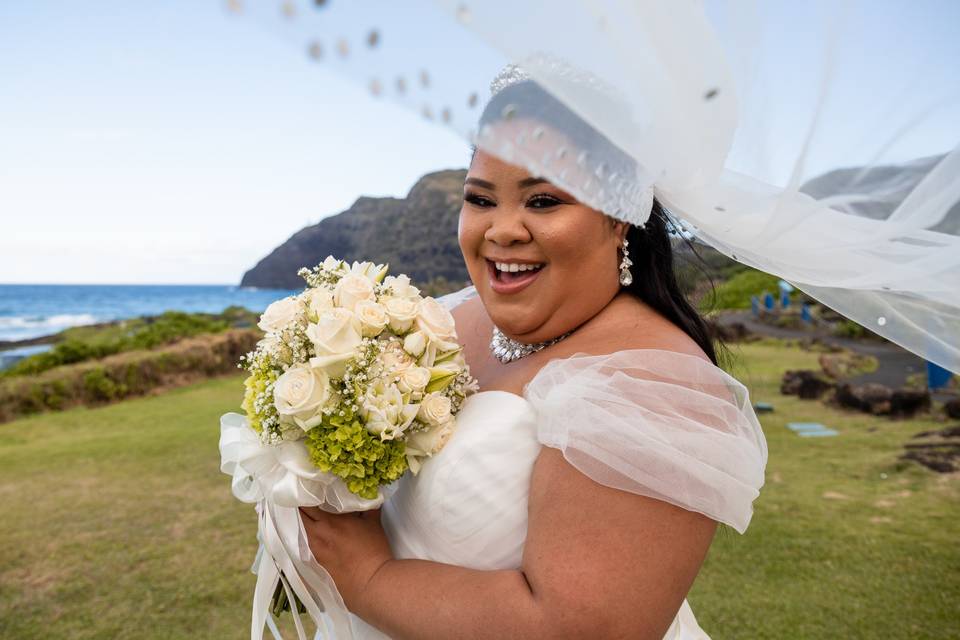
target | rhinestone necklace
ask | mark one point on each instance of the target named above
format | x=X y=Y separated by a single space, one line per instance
x=507 y=349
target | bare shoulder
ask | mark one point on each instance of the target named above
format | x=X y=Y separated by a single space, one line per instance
x=473 y=328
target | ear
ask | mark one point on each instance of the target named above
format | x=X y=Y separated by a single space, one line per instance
x=621 y=228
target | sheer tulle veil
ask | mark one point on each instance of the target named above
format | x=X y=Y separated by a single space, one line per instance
x=817 y=141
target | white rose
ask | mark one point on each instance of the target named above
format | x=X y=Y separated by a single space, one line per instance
x=429 y=441
x=318 y=301
x=373 y=317
x=402 y=312
x=386 y=412
x=351 y=289
x=394 y=360
x=331 y=264
x=280 y=313
x=300 y=393
x=435 y=409
x=335 y=336
x=437 y=324
x=374 y=272
x=415 y=343
x=413 y=379
x=401 y=288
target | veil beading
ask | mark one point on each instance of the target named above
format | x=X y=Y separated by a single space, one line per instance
x=817 y=141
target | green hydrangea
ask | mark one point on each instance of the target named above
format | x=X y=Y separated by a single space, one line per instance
x=255 y=386
x=342 y=446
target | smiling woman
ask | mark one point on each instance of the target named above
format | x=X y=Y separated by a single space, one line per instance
x=510 y=218
x=584 y=482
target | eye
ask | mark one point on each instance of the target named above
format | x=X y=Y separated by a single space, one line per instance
x=543 y=201
x=478 y=200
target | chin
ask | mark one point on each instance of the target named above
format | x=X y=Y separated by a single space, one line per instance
x=514 y=318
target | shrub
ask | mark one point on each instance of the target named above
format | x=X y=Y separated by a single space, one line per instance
x=125 y=374
x=98 y=386
x=735 y=293
x=146 y=333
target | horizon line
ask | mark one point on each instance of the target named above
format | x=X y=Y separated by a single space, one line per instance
x=133 y=284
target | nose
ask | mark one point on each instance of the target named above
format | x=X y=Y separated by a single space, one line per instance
x=507 y=227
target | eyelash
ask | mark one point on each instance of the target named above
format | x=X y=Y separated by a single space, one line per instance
x=484 y=202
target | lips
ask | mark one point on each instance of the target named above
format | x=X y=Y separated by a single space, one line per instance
x=511 y=283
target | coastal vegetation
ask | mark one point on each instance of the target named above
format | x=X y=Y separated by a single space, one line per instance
x=122 y=375
x=79 y=344
x=99 y=364
x=124 y=526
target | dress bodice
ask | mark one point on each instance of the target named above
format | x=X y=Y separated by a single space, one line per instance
x=468 y=505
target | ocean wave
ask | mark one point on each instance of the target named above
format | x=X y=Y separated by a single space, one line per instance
x=61 y=320
x=27 y=327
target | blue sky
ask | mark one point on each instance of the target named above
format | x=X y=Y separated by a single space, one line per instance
x=169 y=142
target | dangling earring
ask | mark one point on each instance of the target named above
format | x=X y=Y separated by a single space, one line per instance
x=626 y=279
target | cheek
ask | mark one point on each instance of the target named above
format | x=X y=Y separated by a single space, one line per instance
x=466 y=234
x=576 y=247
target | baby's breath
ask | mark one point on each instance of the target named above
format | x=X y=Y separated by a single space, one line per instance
x=344 y=443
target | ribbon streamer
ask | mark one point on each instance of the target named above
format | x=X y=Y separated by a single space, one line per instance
x=279 y=479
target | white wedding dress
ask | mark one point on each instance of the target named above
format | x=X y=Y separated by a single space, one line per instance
x=652 y=422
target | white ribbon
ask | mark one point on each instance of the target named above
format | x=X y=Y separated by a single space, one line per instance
x=279 y=479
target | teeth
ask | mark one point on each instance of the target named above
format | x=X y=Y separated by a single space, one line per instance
x=514 y=267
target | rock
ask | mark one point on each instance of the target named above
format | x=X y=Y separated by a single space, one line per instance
x=831 y=365
x=952 y=407
x=806 y=384
x=938 y=450
x=939 y=460
x=730 y=332
x=416 y=235
x=871 y=397
x=906 y=403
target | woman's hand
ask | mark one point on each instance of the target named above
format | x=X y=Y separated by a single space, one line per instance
x=352 y=547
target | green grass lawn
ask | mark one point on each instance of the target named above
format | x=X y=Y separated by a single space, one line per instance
x=117 y=523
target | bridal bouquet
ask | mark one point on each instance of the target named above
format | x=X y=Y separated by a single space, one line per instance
x=358 y=379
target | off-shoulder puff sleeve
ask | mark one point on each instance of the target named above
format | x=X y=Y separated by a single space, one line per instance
x=655 y=423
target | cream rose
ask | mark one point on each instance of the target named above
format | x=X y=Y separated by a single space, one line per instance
x=351 y=289
x=394 y=360
x=300 y=393
x=280 y=313
x=434 y=409
x=437 y=324
x=429 y=441
x=400 y=287
x=415 y=343
x=413 y=379
x=402 y=313
x=372 y=316
x=335 y=336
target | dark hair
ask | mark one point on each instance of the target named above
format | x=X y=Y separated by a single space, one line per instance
x=655 y=279
x=650 y=246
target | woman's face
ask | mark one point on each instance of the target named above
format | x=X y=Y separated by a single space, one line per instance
x=542 y=262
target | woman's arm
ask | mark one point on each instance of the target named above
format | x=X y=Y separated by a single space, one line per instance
x=597 y=563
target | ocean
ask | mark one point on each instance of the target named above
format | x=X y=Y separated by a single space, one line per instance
x=29 y=311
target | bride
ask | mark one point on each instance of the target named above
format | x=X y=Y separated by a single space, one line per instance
x=585 y=482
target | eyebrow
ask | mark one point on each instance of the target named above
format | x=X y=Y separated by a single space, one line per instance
x=523 y=184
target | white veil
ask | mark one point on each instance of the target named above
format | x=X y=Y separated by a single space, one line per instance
x=817 y=141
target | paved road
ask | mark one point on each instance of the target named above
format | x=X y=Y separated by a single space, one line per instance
x=895 y=363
